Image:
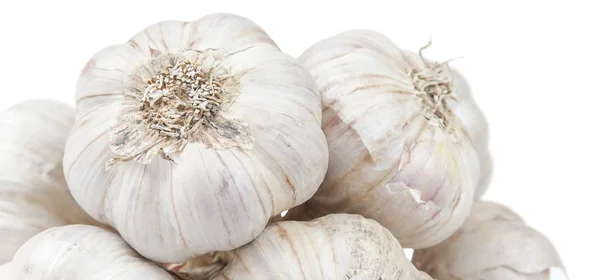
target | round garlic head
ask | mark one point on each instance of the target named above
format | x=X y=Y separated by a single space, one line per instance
x=398 y=154
x=192 y=135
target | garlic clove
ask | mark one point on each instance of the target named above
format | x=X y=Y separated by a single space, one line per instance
x=338 y=246
x=494 y=243
x=189 y=142
x=475 y=123
x=398 y=154
x=34 y=194
x=79 y=252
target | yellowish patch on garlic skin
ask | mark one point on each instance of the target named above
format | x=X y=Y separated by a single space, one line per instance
x=174 y=99
x=493 y=244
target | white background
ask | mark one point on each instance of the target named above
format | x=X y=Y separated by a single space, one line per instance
x=534 y=69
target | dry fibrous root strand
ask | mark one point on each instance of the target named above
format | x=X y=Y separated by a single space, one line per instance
x=434 y=88
x=171 y=100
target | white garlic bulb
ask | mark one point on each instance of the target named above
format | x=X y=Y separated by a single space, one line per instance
x=33 y=192
x=466 y=110
x=398 y=154
x=192 y=135
x=494 y=244
x=79 y=252
x=337 y=246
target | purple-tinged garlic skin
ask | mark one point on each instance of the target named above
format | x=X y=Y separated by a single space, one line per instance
x=493 y=244
x=337 y=246
x=79 y=252
x=475 y=123
x=33 y=193
x=397 y=152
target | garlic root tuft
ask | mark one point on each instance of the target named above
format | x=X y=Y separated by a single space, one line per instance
x=175 y=99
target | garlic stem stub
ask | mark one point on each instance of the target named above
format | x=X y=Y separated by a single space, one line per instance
x=192 y=135
x=397 y=152
x=33 y=193
x=79 y=252
x=337 y=246
x=493 y=244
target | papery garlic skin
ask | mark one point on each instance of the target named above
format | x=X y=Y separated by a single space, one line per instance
x=214 y=184
x=337 y=246
x=493 y=244
x=398 y=154
x=33 y=193
x=475 y=123
x=79 y=252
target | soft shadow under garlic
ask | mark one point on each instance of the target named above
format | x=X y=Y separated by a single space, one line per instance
x=205 y=267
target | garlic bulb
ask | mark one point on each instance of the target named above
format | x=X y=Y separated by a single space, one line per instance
x=192 y=135
x=33 y=192
x=338 y=246
x=79 y=252
x=494 y=244
x=397 y=153
x=466 y=110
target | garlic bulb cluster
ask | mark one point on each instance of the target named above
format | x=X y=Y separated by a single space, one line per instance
x=398 y=153
x=33 y=193
x=337 y=246
x=493 y=244
x=79 y=252
x=188 y=142
x=192 y=135
x=466 y=110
